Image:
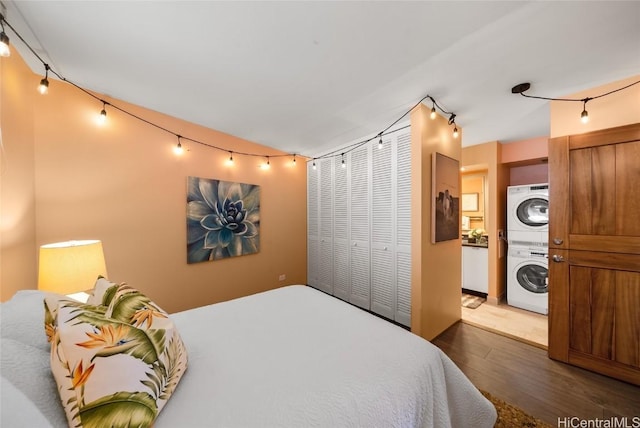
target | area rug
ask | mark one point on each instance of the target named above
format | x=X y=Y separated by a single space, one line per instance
x=470 y=301
x=511 y=417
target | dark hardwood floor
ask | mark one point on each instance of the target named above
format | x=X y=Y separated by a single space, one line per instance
x=524 y=376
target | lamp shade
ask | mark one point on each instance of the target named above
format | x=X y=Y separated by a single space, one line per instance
x=69 y=267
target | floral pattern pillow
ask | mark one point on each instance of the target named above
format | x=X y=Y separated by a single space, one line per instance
x=115 y=366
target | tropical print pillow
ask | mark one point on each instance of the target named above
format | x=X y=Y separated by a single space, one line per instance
x=115 y=366
x=102 y=292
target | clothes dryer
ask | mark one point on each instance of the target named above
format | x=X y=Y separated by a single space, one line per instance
x=528 y=214
x=527 y=278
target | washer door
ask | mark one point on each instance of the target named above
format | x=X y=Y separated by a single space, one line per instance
x=533 y=212
x=533 y=278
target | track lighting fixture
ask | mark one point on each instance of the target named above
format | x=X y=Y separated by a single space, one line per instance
x=4 y=40
x=584 y=116
x=178 y=150
x=43 y=88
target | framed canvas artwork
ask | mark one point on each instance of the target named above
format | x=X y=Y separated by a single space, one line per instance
x=445 y=211
x=223 y=219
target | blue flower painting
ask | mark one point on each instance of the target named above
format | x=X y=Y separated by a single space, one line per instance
x=223 y=219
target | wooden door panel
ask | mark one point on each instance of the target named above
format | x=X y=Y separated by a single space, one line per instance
x=559 y=313
x=628 y=318
x=580 y=309
x=580 y=179
x=626 y=189
x=597 y=259
x=594 y=251
x=607 y=243
x=603 y=310
x=603 y=190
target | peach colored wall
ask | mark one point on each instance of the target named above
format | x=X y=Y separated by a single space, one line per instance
x=17 y=182
x=489 y=157
x=525 y=150
x=121 y=183
x=436 y=268
x=529 y=174
x=617 y=109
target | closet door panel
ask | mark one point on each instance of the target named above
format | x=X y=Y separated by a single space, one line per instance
x=403 y=229
x=383 y=282
x=359 y=180
x=403 y=296
x=341 y=264
x=325 y=271
x=313 y=233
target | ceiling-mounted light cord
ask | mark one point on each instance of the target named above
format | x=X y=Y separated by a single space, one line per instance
x=584 y=116
x=122 y=110
x=354 y=146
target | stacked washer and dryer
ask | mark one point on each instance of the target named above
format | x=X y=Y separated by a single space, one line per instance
x=528 y=236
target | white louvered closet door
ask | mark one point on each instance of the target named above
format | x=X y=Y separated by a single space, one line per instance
x=313 y=231
x=403 y=228
x=383 y=284
x=325 y=268
x=341 y=232
x=359 y=179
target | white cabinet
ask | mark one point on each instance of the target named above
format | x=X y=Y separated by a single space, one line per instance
x=475 y=269
x=360 y=226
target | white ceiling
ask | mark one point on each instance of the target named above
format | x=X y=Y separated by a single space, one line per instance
x=306 y=77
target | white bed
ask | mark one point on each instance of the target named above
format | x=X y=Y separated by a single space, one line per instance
x=290 y=357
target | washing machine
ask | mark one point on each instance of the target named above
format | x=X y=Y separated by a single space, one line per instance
x=528 y=214
x=528 y=278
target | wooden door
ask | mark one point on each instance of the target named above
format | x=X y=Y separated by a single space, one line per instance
x=594 y=251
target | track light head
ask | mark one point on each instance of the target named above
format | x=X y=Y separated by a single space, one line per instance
x=4 y=44
x=452 y=119
x=520 y=88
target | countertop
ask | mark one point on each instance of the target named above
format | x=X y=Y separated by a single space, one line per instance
x=465 y=243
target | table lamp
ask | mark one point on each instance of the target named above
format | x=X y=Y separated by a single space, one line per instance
x=71 y=267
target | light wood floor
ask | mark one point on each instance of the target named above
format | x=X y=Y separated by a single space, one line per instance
x=524 y=376
x=509 y=321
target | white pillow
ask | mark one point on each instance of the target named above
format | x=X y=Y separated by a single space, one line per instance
x=22 y=320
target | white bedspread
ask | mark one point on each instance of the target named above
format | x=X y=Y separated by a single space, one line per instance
x=295 y=357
